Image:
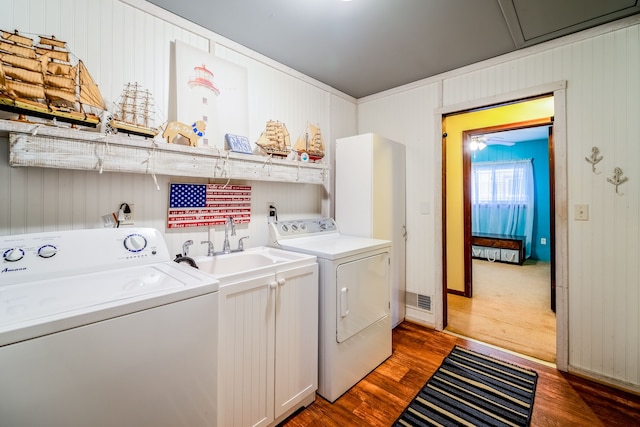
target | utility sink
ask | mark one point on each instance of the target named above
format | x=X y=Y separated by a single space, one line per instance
x=250 y=262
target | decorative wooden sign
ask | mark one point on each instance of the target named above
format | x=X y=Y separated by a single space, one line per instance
x=205 y=205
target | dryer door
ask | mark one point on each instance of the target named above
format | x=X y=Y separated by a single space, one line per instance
x=362 y=294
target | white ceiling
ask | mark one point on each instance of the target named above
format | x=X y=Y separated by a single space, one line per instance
x=361 y=47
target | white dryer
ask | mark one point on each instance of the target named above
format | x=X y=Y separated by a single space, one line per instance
x=100 y=328
x=355 y=321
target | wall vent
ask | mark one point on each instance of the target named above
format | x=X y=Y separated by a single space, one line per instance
x=423 y=302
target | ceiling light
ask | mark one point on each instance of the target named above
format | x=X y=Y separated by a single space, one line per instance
x=476 y=144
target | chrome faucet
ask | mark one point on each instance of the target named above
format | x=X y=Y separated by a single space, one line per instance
x=185 y=247
x=241 y=244
x=209 y=247
x=226 y=248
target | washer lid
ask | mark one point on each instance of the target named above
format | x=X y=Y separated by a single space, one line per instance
x=333 y=246
x=32 y=309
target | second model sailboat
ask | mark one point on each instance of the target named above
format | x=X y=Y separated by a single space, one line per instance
x=275 y=139
x=310 y=142
x=134 y=112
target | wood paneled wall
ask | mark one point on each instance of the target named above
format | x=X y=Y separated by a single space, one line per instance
x=601 y=67
x=407 y=117
x=130 y=41
x=124 y=41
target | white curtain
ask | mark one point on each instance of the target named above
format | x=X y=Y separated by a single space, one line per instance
x=502 y=199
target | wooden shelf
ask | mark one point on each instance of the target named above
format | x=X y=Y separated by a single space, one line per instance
x=39 y=145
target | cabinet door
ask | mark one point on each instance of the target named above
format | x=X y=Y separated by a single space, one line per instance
x=398 y=237
x=296 y=337
x=246 y=368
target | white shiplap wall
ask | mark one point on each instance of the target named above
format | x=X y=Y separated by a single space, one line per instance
x=401 y=117
x=126 y=41
x=601 y=67
x=129 y=41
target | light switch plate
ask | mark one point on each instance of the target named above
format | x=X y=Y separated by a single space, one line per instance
x=581 y=212
x=425 y=208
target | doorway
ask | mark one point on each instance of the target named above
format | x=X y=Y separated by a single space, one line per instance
x=509 y=281
x=501 y=156
x=486 y=127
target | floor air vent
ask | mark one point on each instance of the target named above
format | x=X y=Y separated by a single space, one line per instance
x=420 y=301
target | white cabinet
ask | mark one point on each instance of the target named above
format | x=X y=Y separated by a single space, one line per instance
x=296 y=343
x=371 y=201
x=268 y=347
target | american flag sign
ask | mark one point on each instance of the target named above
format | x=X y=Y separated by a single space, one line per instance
x=204 y=205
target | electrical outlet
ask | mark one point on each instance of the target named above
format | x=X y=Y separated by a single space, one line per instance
x=581 y=212
x=543 y=240
x=272 y=212
x=128 y=217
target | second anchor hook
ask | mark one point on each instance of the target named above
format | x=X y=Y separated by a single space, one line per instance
x=618 y=179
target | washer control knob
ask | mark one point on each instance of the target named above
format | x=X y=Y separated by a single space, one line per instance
x=47 y=251
x=135 y=242
x=13 y=254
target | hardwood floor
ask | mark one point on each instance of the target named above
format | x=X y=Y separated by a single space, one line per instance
x=510 y=308
x=561 y=399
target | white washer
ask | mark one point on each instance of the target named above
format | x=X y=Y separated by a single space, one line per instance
x=355 y=322
x=101 y=328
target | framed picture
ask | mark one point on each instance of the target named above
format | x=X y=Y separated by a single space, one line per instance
x=210 y=89
x=238 y=144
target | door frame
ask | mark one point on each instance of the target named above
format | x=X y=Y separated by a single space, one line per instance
x=558 y=89
x=466 y=191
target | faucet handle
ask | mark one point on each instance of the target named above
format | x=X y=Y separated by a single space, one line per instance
x=241 y=243
x=185 y=247
x=209 y=244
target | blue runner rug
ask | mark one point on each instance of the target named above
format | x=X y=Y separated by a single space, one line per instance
x=470 y=389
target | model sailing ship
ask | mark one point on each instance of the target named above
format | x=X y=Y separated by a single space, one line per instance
x=275 y=139
x=39 y=80
x=134 y=112
x=311 y=143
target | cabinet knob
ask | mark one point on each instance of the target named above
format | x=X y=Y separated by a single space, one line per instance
x=273 y=285
x=281 y=282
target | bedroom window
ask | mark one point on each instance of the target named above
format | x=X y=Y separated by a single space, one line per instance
x=502 y=199
x=498 y=183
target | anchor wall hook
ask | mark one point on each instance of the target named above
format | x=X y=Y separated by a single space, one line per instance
x=594 y=159
x=618 y=179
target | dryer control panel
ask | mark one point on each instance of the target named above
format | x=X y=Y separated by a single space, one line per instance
x=301 y=227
